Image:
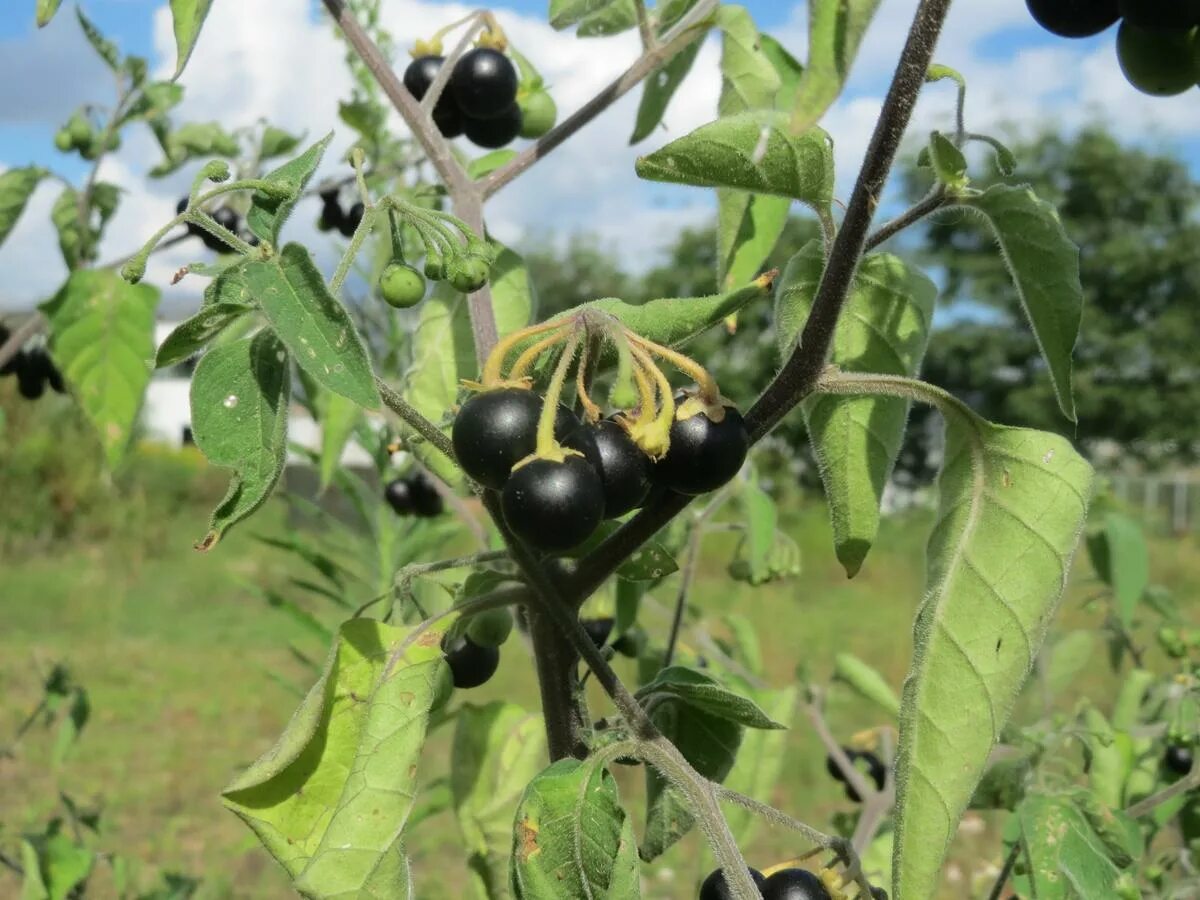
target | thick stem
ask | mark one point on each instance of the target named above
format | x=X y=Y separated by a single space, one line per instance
x=800 y=373
x=468 y=206
x=931 y=203
x=401 y=407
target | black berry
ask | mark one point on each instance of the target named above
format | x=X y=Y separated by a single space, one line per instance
x=418 y=77
x=630 y=644
x=552 y=505
x=1167 y=14
x=426 y=500
x=703 y=454
x=624 y=469
x=491 y=134
x=496 y=429
x=598 y=629
x=31 y=377
x=795 y=884
x=1178 y=759
x=715 y=888
x=398 y=497
x=1074 y=18
x=470 y=664
x=352 y=219
x=484 y=83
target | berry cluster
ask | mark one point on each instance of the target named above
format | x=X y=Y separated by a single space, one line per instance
x=79 y=134
x=414 y=495
x=34 y=370
x=226 y=217
x=334 y=218
x=473 y=655
x=783 y=884
x=480 y=99
x=1158 y=43
x=863 y=760
x=560 y=476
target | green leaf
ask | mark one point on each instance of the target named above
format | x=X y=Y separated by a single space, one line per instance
x=71 y=725
x=188 y=16
x=781 y=561
x=226 y=300
x=760 y=761
x=1107 y=765
x=617 y=16
x=514 y=298
x=63 y=864
x=488 y=163
x=752 y=151
x=330 y=799
x=46 y=10
x=312 y=323
x=705 y=694
x=16 y=187
x=103 y=46
x=1011 y=507
x=1128 y=563
x=1044 y=265
x=572 y=839
x=659 y=88
x=762 y=521
x=239 y=401
x=866 y=681
x=277 y=142
x=949 y=164
x=885 y=328
x=749 y=80
x=338 y=419
x=1004 y=783
x=101 y=339
x=1065 y=858
x=565 y=13
x=835 y=31
x=73 y=242
x=497 y=750
x=268 y=213
x=33 y=886
x=155 y=101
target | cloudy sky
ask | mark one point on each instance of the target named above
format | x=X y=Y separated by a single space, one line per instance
x=279 y=60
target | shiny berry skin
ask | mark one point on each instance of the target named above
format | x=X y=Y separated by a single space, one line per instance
x=598 y=629
x=794 y=884
x=1158 y=63
x=538 y=113
x=1178 y=760
x=497 y=429
x=470 y=664
x=553 y=506
x=398 y=497
x=449 y=119
x=1167 y=14
x=418 y=77
x=426 y=500
x=401 y=286
x=484 y=83
x=715 y=888
x=1074 y=18
x=624 y=469
x=703 y=454
x=492 y=134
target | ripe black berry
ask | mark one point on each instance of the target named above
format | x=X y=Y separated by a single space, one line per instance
x=630 y=644
x=398 y=497
x=794 y=884
x=470 y=664
x=31 y=377
x=552 y=505
x=598 y=629
x=491 y=134
x=426 y=501
x=715 y=888
x=1178 y=759
x=352 y=219
x=418 y=77
x=1168 y=14
x=1074 y=18
x=496 y=429
x=624 y=469
x=703 y=454
x=484 y=83
x=331 y=212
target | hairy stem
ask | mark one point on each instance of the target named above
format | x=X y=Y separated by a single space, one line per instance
x=931 y=203
x=409 y=415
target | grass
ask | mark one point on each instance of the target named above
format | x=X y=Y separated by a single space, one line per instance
x=191 y=677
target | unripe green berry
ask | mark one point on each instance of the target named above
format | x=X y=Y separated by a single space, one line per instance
x=467 y=274
x=401 y=285
x=62 y=140
x=490 y=628
x=435 y=267
x=538 y=113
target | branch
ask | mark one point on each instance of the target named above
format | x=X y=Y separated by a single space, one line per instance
x=687 y=31
x=409 y=415
x=799 y=374
x=931 y=203
x=1010 y=863
x=1188 y=782
x=812 y=709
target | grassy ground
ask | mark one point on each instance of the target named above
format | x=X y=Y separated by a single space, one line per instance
x=176 y=653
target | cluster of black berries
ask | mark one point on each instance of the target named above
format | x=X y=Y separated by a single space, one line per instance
x=334 y=218
x=1158 y=43
x=554 y=504
x=784 y=884
x=34 y=370
x=224 y=216
x=480 y=99
x=863 y=760
x=414 y=495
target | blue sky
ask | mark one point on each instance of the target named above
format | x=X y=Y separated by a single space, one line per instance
x=277 y=60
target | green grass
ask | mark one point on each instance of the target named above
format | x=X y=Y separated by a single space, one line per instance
x=190 y=677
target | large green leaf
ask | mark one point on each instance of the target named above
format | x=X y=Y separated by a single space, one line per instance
x=312 y=323
x=188 y=17
x=572 y=840
x=748 y=77
x=1012 y=504
x=330 y=799
x=16 y=187
x=885 y=329
x=751 y=151
x=1120 y=557
x=617 y=16
x=1044 y=264
x=835 y=31
x=338 y=418
x=1065 y=858
x=498 y=749
x=704 y=693
x=866 y=681
x=268 y=213
x=239 y=401
x=46 y=10
x=760 y=760
x=102 y=338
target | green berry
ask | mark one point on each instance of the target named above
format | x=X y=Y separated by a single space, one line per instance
x=538 y=114
x=1160 y=63
x=62 y=140
x=401 y=285
x=80 y=130
x=467 y=274
x=490 y=628
x=435 y=267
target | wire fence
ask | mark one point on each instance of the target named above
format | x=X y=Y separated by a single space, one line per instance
x=1168 y=502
